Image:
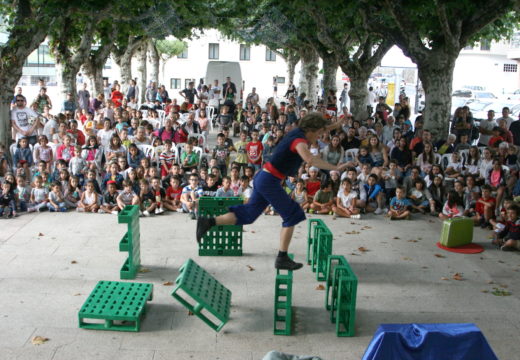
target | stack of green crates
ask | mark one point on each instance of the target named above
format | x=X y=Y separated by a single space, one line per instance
x=283 y=301
x=130 y=241
x=220 y=240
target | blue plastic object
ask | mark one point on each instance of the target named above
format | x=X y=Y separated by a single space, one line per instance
x=429 y=342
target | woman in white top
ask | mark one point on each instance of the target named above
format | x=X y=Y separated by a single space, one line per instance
x=346 y=201
x=486 y=163
x=426 y=159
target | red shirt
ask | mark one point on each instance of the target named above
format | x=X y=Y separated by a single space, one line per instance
x=173 y=194
x=117 y=98
x=254 y=152
x=312 y=187
x=80 y=137
x=479 y=207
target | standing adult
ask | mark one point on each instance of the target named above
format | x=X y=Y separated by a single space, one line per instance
x=486 y=128
x=371 y=101
x=343 y=98
x=42 y=100
x=24 y=120
x=229 y=90
x=83 y=98
x=505 y=116
x=107 y=89
x=189 y=93
x=151 y=93
x=133 y=91
x=69 y=104
x=515 y=130
x=214 y=93
x=287 y=158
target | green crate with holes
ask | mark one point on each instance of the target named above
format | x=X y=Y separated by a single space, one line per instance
x=203 y=295
x=130 y=241
x=220 y=240
x=283 y=302
x=115 y=305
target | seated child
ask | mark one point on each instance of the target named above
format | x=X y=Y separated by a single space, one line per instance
x=346 y=201
x=23 y=157
x=245 y=190
x=211 y=187
x=453 y=206
x=7 y=201
x=39 y=195
x=127 y=196
x=89 y=199
x=189 y=158
x=225 y=190
x=399 y=205
x=323 y=199
x=485 y=208
x=375 y=195
x=313 y=184
x=421 y=197
x=172 y=200
x=56 y=199
x=190 y=196
x=509 y=238
x=109 y=202
x=146 y=198
x=300 y=195
x=159 y=193
x=22 y=193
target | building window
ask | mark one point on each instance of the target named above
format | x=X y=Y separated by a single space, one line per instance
x=245 y=52
x=270 y=55
x=175 y=83
x=183 y=54
x=510 y=67
x=280 y=80
x=40 y=57
x=213 y=51
x=485 y=45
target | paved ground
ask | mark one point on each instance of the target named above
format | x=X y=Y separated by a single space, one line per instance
x=400 y=281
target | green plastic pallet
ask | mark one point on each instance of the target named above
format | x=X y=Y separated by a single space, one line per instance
x=323 y=251
x=120 y=304
x=220 y=240
x=283 y=302
x=130 y=241
x=312 y=238
x=203 y=294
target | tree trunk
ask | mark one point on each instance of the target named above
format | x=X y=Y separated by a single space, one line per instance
x=66 y=79
x=153 y=56
x=94 y=63
x=358 y=94
x=6 y=95
x=330 y=69
x=141 y=72
x=95 y=73
x=292 y=61
x=437 y=77
x=123 y=58
x=309 y=74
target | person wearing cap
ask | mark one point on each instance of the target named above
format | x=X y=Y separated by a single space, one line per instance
x=287 y=158
x=109 y=202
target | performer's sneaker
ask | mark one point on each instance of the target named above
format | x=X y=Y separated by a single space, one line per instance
x=286 y=263
x=203 y=225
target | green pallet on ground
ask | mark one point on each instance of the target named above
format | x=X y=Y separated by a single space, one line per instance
x=220 y=240
x=120 y=304
x=203 y=295
x=283 y=302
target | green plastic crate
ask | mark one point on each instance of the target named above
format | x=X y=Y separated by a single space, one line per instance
x=333 y=261
x=312 y=238
x=130 y=242
x=457 y=232
x=120 y=304
x=323 y=251
x=283 y=302
x=220 y=240
x=343 y=300
x=202 y=294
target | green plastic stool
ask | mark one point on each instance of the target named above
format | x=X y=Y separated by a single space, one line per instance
x=198 y=291
x=120 y=304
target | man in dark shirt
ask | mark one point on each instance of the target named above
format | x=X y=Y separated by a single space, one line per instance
x=189 y=93
x=515 y=129
x=350 y=141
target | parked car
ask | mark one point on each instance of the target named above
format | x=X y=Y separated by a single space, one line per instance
x=474 y=94
x=479 y=109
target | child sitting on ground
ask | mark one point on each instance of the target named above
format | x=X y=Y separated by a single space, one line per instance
x=211 y=187
x=89 y=199
x=190 y=196
x=7 y=201
x=509 y=238
x=453 y=206
x=22 y=193
x=23 y=157
x=109 y=203
x=323 y=199
x=245 y=190
x=485 y=208
x=56 y=199
x=146 y=198
x=160 y=195
x=399 y=205
x=127 y=196
x=313 y=184
x=375 y=195
x=346 y=201
x=300 y=195
x=172 y=201
x=39 y=195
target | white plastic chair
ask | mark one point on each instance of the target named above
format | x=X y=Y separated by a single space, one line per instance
x=438 y=158
x=331 y=113
x=148 y=151
x=464 y=154
x=351 y=154
x=156 y=123
x=445 y=160
x=201 y=139
x=196 y=149
x=162 y=115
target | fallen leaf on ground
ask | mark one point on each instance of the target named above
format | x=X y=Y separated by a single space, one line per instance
x=253 y=232
x=73 y=262
x=396 y=237
x=320 y=287
x=503 y=286
x=353 y=223
x=250 y=268
x=77 y=294
x=424 y=267
x=363 y=249
x=39 y=340
x=484 y=291
x=439 y=256
x=444 y=278
x=500 y=292
x=168 y=283
x=353 y=232
x=419 y=238
x=354 y=254
x=431 y=221
x=144 y=270
x=190 y=313
x=407 y=258
x=41 y=234
x=491 y=282
x=412 y=240
x=457 y=276
x=367 y=227
x=502 y=262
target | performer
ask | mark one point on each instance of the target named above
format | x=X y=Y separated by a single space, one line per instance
x=286 y=160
